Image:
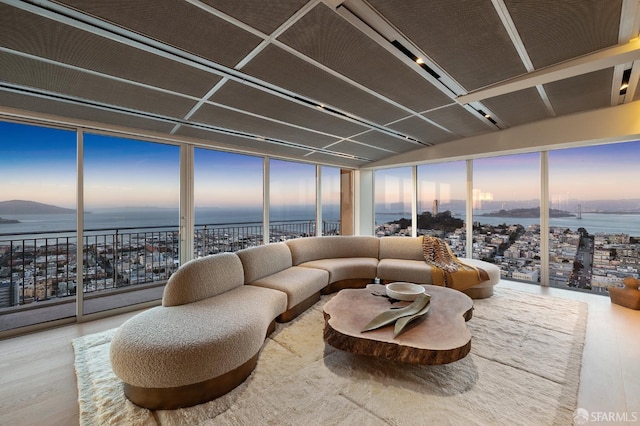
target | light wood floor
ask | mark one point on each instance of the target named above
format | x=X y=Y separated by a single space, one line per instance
x=38 y=384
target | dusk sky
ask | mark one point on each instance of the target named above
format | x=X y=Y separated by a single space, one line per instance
x=39 y=164
x=586 y=173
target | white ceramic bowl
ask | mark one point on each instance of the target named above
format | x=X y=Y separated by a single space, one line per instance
x=404 y=291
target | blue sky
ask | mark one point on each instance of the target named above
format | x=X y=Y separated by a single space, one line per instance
x=38 y=163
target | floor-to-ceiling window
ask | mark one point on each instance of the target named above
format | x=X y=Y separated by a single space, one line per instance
x=292 y=200
x=228 y=198
x=393 y=194
x=595 y=243
x=131 y=203
x=506 y=214
x=442 y=201
x=37 y=224
x=330 y=200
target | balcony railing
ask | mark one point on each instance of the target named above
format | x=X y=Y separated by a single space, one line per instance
x=37 y=267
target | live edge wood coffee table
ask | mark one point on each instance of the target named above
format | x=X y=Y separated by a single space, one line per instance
x=440 y=337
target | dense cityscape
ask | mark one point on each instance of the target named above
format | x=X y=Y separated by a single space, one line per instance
x=577 y=259
x=38 y=269
x=43 y=268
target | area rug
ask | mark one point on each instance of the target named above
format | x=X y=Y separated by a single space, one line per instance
x=524 y=368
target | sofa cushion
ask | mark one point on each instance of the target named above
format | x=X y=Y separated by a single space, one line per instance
x=346 y=268
x=413 y=271
x=297 y=282
x=409 y=248
x=202 y=278
x=330 y=247
x=262 y=261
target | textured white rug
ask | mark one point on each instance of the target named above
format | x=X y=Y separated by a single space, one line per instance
x=524 y=368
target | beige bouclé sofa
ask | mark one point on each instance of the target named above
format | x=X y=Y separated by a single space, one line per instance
x=216 y=311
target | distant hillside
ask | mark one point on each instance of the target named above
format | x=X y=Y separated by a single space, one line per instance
x=30 y=207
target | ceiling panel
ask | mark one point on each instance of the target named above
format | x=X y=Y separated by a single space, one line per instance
x=360 y=150
x=385 y=141
x=519 y=107
x=458 y=120
x=81 y=112
x=241 y=142
x=285 y=70
x=422 y=130
x=265 y=16
x=42 y=37
x=177 y=23
x=228 y=119
x=326 y=37
x=247 y=98
x=464 y=37
x=322 y=158
x=588 y=91
x=32 y=73
x=553 y=31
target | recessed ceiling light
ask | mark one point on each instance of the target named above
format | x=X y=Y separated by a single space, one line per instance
x=626 y=76
x=416 y=59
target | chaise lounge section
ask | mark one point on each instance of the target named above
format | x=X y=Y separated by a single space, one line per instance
x=202 y=342
x=402 y=259
x=216 y=311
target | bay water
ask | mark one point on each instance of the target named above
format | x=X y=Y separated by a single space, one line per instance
x=109 y=219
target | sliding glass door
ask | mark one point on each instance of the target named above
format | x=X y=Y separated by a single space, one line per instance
x=38 y=264
x=131 y=203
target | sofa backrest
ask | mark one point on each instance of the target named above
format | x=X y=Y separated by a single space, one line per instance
x=408 y=248
x=261 y=261
x=202 y=278
x=314 y=248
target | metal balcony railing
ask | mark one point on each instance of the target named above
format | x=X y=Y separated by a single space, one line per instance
x=43 y=266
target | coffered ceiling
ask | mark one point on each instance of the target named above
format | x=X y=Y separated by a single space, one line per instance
x=340 y=83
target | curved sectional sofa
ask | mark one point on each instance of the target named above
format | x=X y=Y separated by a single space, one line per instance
x=217 y=310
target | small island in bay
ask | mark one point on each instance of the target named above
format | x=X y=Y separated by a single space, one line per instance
x=528 y=213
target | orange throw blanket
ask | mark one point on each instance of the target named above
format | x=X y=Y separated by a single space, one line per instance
x=447 y=269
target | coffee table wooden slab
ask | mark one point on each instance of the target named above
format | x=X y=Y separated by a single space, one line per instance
x=440 y=337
